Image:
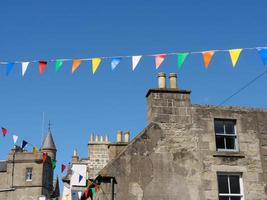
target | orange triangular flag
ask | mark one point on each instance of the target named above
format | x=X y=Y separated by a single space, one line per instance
x=42 y=66
x=207 y=56
x=44 y=157
x=75 y=64
x=159 y=59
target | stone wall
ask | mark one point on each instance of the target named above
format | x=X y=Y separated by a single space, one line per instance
x=175 y=156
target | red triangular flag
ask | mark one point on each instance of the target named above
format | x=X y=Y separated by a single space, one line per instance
x=4 y=131
x=63 y=168
x=159 y=59
x=42 y=66
x=44 y=157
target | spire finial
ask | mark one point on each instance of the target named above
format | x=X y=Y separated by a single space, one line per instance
x=49 y=125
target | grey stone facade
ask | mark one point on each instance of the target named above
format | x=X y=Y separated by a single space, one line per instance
x=175 y=157
x=13 y=182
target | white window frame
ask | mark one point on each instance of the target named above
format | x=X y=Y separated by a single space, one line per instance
x=29 y=174
x=226 y=135
x=241 y=194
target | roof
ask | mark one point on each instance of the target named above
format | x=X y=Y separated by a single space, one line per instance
x=48 y=143
x=3 y=166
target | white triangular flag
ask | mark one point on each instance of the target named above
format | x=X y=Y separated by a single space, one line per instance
x=79 y=194
x=15 y=138
x=24 y=66
x=135 y=61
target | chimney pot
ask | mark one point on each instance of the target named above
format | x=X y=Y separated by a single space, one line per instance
x=161 y=80
x=96 y=138
x=106 y=138
x=119 y=136
x=127 y=136
x=101 y=138
x=173 y=80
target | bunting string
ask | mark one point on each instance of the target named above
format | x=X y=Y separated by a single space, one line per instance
x=115 y=60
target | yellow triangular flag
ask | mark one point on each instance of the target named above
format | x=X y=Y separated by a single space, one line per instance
x=95 y=64
x=234 y=55
x=35 y=150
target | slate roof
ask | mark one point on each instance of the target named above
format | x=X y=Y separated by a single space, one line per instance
x=48 y=143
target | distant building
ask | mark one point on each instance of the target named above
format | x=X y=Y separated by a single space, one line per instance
x=192 y=152
x=24 y=175
x=100 y=152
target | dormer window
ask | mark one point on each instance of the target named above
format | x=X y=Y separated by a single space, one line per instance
x=225 y=133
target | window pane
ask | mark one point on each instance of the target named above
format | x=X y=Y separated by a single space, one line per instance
x=218 y=126
x=230 y=142
x=234 y=185
x=235 y=198
x=224 y=198
x=220 y=142
x=229 y=127
x=223 y=184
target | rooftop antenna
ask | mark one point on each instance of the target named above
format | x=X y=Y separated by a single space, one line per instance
x=42 y=139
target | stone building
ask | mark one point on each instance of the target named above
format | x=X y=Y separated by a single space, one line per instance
x=100 y=152
x=24 y=175
x=192 y=152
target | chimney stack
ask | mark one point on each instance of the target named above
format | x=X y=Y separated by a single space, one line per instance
x=119 y=136
x=161 y=80
x=127 y=136
x=173 y=80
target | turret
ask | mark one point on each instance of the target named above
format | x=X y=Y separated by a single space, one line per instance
x=49 y=146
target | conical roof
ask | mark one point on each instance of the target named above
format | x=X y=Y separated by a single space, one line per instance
x=48 y=143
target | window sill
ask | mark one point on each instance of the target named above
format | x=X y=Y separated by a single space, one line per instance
x=229 y=154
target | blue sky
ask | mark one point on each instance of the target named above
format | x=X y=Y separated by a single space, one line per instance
x=81 y=103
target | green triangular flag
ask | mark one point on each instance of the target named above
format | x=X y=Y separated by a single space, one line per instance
x=54 y=198
x=59 y=63
x=54 y=163
x=181 y=58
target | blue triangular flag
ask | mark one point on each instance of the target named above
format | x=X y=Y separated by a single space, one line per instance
x=73 y=195
x=80 y=178
x=115 y=62
x=9 y=67
x=263 y=54
x=24 y=143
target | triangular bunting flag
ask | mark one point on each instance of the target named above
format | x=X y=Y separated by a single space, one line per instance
x=24 y=143
x=44 y=157
x=24 y=66
x=15 y=138
x=67 y=197
x=42 y=66
x=181 y=58
x=80 y=178
x=115 y=62
x=234 y=55
x=54 y=198
x=75 y=64
x=135 y=61
x=159 y=59
x=263 y=54
x=73 y=195
x=79 y=194
x=9 y=67
x=207 y=56
x=35 y=150
x=59 y=64
x=4 y=131
x=95 y=64
x=54 y=163
x=63 y=167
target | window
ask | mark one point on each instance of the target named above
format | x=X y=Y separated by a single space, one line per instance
x=230 y=187
x=28 y=174
x=226 y=138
